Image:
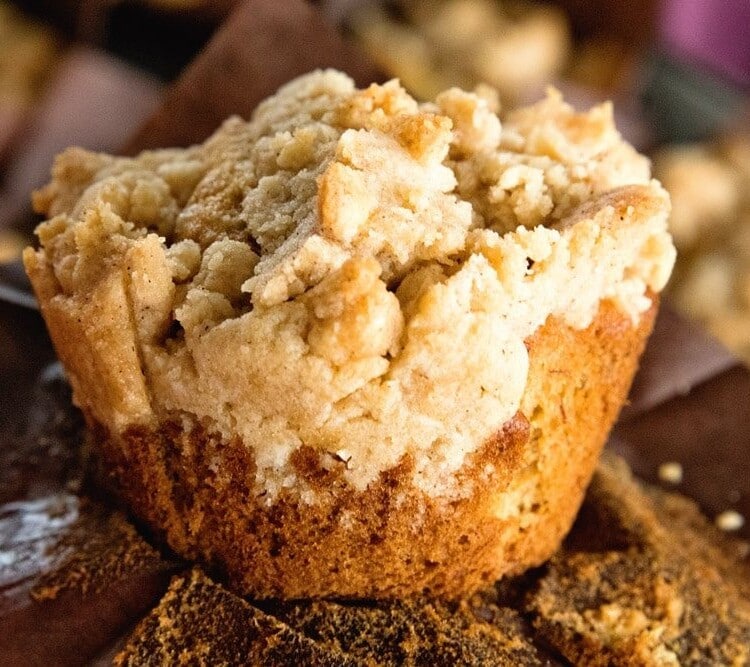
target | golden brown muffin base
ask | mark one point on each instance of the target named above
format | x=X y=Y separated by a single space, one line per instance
x=195 y=490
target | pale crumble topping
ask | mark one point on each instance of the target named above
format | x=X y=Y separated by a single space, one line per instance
x=349 y=270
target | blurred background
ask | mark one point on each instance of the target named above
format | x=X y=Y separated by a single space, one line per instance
x=91 y=72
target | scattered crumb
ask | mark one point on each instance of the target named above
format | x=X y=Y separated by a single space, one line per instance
x=670 y=472
x=730 y=520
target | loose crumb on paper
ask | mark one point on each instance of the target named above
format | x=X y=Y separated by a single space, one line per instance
x=670 y=472
x=730 y=520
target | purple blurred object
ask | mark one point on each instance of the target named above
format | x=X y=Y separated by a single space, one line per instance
x=712 y=33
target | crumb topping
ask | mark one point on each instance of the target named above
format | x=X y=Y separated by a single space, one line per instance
x=349 y=270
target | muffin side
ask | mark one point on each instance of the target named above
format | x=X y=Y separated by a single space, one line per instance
x=392 y=539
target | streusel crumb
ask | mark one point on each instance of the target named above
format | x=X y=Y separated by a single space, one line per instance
x=349 y=270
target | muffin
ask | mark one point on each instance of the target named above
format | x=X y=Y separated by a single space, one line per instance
x=356 y=346
x=515 y=47
x=711 y=228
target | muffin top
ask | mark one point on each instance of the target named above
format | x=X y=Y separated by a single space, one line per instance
x=349 y=271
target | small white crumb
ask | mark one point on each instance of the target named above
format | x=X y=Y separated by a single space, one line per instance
x=670 y=472
x=730 y=520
